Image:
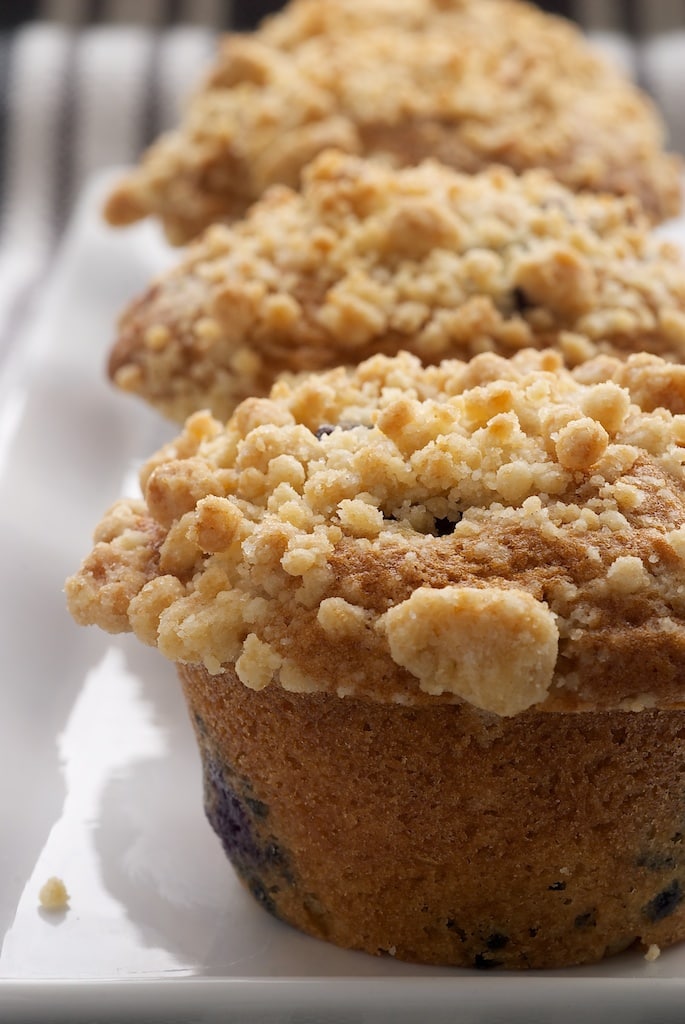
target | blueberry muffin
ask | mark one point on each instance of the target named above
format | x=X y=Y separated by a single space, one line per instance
x=469 y=82
x=430 y=624
x=366 y=260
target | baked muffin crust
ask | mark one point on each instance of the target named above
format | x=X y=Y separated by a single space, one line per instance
x=469 y=82
x=366 y=259
x=443 y=834
x=366 y=532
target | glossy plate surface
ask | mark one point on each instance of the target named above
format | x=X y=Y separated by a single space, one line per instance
x=99 y=778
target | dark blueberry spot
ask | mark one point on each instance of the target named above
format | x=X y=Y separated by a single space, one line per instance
x=259 y=892
x=497 y=941
x=557 y=886
x=656 y=861
x=239 y=820
x=664 y=903
x=273 y=853
x=261 y=895
x=677 y=838
x=200 y=725
x=274 y=857
x=482 y=963
x=521 y=301
x=443 y=527
x=533 y=932
x=454 y=927
x=328 y=428
x=258 y=807
x=587 y=920
x=230 y=818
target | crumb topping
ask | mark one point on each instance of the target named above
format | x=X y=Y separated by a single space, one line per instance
x=469 y=82
x=367 y=259
x=496 y=648
x=503 y=532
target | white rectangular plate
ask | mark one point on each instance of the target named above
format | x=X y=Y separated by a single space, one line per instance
x=99 y=778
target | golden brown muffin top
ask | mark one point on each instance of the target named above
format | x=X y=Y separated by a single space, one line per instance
x=469 y=82
x=366 y=259
x=504 y=532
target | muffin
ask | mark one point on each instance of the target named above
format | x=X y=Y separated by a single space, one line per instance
x=468 y=82
x=367 y=259
x=430 y=624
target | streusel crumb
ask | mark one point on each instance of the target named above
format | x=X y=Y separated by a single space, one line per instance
x=469 y=82
x=507 y=533
x=367 y=260
x=53 y=895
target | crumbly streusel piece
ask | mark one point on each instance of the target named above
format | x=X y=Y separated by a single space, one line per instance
x=469 y=82
x=367 y=259
x=499 y=532
x=53 y=895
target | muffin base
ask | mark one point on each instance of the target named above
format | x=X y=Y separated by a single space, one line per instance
x=445 y=835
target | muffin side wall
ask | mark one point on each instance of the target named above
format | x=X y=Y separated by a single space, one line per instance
x=444 y=834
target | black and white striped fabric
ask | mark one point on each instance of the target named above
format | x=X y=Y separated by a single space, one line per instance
x=86 y=84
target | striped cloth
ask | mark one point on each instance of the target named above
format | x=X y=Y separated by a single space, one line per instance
x=85 y=84
x=75 y=101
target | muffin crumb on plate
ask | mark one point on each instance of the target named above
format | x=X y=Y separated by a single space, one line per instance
x=53 y=895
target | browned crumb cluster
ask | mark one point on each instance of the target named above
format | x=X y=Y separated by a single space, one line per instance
x=469 y=82
x=367 y=260
x=505 y=533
